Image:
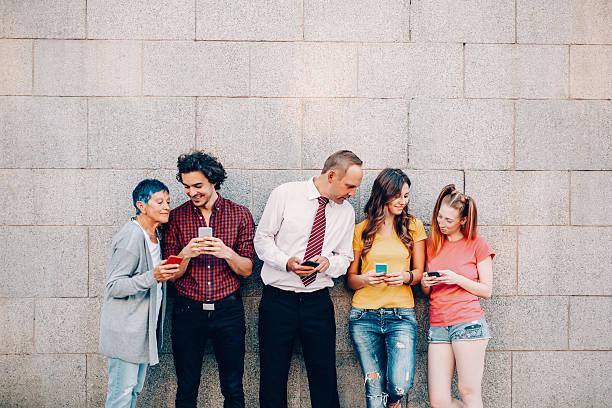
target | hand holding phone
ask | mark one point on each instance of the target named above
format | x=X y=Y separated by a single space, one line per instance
x=433 y=274
x=174 y=260
x=310 y=263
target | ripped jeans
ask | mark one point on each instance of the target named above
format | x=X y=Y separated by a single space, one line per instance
x=385 y=344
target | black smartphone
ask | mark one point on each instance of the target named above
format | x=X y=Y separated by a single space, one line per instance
x=434 y=274
x=310 y=263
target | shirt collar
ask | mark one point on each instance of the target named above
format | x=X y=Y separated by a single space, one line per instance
x=314 y=194
x=218 y=206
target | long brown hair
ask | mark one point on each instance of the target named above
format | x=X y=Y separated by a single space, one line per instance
x=387 y=186
x=464 y=204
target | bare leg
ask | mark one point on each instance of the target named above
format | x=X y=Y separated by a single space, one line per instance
x=470 y=358
x=440 y=370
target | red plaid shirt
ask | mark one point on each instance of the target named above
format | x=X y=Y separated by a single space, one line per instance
x=209 y=278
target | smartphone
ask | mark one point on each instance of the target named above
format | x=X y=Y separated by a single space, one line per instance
x=381 y=268
x=433 y=274
x=204 y=232
x=310 y=263
x=172 y=260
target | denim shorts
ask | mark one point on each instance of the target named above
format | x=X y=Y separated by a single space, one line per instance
x=474 y=330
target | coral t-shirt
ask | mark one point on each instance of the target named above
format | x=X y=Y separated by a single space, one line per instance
x=451 y=304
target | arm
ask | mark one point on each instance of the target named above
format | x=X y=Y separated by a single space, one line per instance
x=482 y=288
x=418 y=263
x=268 y=227
x=119 y=281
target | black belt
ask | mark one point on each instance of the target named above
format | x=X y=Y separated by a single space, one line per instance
x=217 y=304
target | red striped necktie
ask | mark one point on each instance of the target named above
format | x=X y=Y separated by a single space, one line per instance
x=315 y=241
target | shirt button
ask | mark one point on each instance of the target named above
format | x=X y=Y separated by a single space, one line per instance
x=208 y=266
x=209 y=283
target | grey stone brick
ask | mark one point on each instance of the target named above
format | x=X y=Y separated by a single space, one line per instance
x=376 y=130
x=564 y=21
x=474 y=21
x=188 y=68
x=43 y=132
x=266 y=181
x=17 y=187
x=591 y=71
x=88 y=197
x=16 y=68
x=519 y=198
x=590 y=323
x=516 y=71
x=360 y=21
x=303 y=69
x=552 y=261
x=43 y=19
x=251 y=133
x=528 y=323
x=100 y=239
x=122 y=131
x=591 y=197
x=469 y=134
x=46 y=261
x=97 y=380
x=342 y=306
x=152 y=20
x=92 y=68
x=503 y=240
x=67 y=325
x=249 y=20
x=45 y=381
x=16 y=326
x=410 y=71
x=580 y=137
x=561 y=379
x=238 y=187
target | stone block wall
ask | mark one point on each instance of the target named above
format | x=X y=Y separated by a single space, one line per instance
x=508 y=99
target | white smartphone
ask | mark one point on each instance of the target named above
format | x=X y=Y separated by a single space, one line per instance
x=204 y=232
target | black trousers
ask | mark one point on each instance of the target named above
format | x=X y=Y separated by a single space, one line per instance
x=283 y=316
x=191 y=328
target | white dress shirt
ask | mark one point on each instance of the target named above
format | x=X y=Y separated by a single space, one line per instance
x=284 y=229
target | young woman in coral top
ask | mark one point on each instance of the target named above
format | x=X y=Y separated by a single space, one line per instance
x=458 y=333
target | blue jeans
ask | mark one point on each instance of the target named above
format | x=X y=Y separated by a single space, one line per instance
x=125 y=381
x=385 y=343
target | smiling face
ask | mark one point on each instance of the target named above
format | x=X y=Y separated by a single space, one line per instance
x=449 y=220
x=398 y=203
x=200 y=191
x=342 y=187
x=157 y=209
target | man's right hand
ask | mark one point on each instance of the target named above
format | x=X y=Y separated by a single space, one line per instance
x=295 y=265
x=193 y=248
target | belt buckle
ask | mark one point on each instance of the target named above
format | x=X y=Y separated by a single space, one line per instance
x=208 y=306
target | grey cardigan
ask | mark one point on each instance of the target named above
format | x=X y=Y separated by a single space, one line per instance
x=129 y=312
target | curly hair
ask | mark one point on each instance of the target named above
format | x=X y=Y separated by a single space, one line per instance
x=387 y=186
x=209 y=165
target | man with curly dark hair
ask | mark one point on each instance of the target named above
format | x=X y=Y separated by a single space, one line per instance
x=214 y=236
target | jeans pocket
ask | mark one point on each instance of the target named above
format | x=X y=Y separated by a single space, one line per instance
x=473 y=331
x=355 y=314
x=406 y=314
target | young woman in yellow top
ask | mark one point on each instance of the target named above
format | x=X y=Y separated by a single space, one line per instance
x=382 y=321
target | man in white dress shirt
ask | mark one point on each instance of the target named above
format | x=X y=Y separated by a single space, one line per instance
x=304 y=221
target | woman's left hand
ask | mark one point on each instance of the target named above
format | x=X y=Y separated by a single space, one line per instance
x=394 y=278
x=449 y=277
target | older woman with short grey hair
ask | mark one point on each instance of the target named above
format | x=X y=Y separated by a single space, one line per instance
x=134 y=295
